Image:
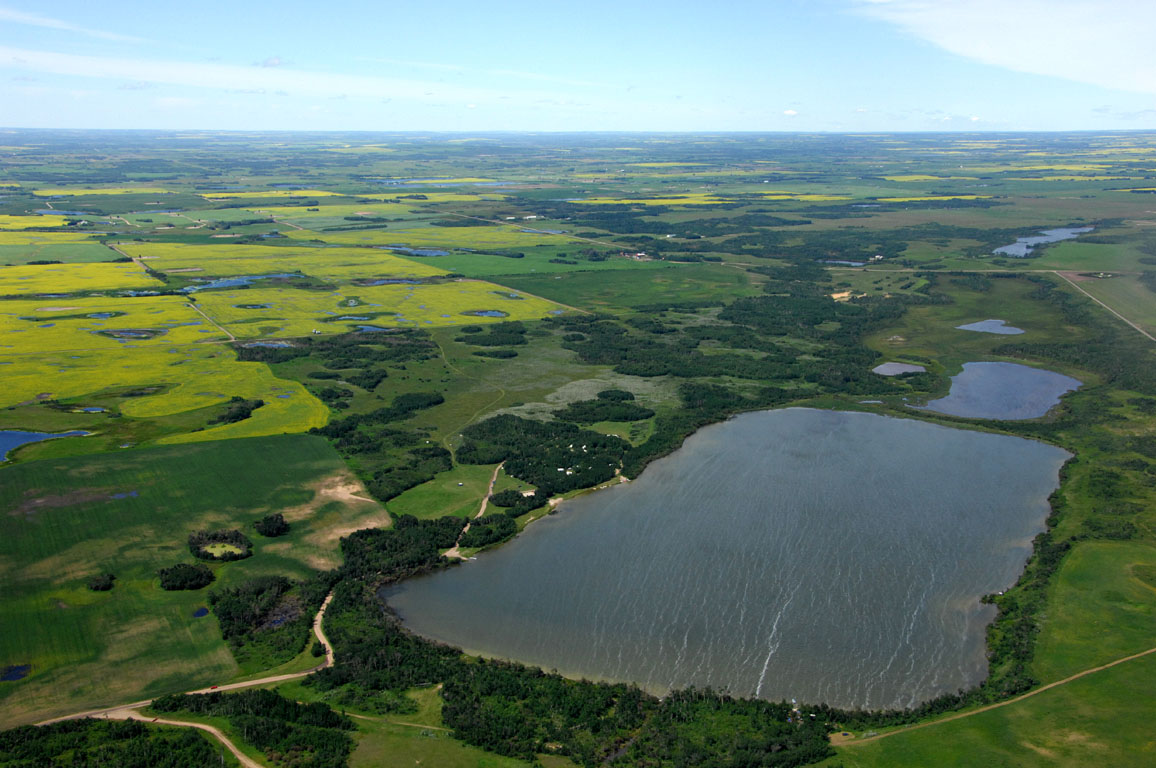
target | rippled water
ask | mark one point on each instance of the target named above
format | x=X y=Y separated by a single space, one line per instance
x=816 y=555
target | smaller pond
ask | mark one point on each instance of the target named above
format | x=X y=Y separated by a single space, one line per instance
x=236 y=282
x=269 y=344
x=14 y=672
x=845 y=263
x=419 y=251
x=371 y=329
x=1005 y=391
x=132 y=334
x=897 y=369
x=200 y=612
x=11 y=438
x=992 y=326
x=387 y=282
x=485 y=313
x=251 y=306
x=92 y=409
x=104 y=315
x=1023 y=246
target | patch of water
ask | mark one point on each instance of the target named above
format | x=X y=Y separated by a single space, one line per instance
x=14 y=438
x=1004 y=391
x=1023 y=246
x=896 y=369
x=14 y=672
x=992 y=326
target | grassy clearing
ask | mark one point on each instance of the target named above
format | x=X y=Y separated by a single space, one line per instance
x=1128 y=296
x=457 y=492
x=73 y=278
x=480 y=237
x=593 y=291
x=128 y=513
x=69 y=253
x=1102 y=719
x=1099 y=609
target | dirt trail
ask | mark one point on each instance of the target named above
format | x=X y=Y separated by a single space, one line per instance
x=997 y=705
x=1075 y=284
x=318 y=632
x=128 y=714
x=455 y=551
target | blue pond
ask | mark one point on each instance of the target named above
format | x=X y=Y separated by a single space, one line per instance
x=370 y=329
x=419 y=251
x=14 y=672
x=395 y=281
x=125 y=495
x=10 y=439
x=236 y=282
x=270 y=344
x=485 y=313
x=992 y=326
x=1005 y=391
x=200 y=612
x=1023 y=246
x=92 y=409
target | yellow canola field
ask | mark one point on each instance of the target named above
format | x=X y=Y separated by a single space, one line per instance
x=931 y=197
x=9 y=237
x=49 y=325
x=62 y=352
x=25 y=222
x=200 y=376
x=74 y=278
x=290 y=312
x=233 y=260
x=504 y=237
x=704 y=198
x=69 y=192
x=925 y=177
x=271 y=193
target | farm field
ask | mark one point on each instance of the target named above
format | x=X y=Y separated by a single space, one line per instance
x=129 y=512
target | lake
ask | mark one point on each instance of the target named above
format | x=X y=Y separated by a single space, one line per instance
x=10 y=438
x=819 y=555
x=1023 y=246
x=1006 y=391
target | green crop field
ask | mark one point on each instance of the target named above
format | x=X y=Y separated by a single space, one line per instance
x=128 y=513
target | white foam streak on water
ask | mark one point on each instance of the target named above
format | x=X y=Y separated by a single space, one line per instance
x=791 y=554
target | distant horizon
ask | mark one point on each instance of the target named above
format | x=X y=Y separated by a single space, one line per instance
x=807 y=66
x=591 y=132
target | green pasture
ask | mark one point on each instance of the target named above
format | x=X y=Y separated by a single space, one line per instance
x=69 y=253
x=1099 y=609
x=601 y=293
x=129 y=513
x=1128 y=296
x=535 y=260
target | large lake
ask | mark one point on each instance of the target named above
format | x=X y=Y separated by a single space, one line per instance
x=818 y=555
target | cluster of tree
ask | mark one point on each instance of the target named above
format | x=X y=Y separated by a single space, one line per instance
x=185 y=576
x=107 y=743
x=500 y=354
x=488 y=530
x=516 y=504
x=239 y=409
x=272 y=525
x=610 y=405
x=101 y=582
x=508 y=334
x=350 y=350
x=553 y=456
x=239 y=545
x=267 y=617
x=288 y=732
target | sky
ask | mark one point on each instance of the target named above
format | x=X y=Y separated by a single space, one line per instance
x=596 y=65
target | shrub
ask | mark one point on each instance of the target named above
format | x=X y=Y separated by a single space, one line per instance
x=185 y=576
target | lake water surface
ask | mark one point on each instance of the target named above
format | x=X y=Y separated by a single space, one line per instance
x=798 y=553
x=10 y=438
x=1023 y=246
x=1006 y=391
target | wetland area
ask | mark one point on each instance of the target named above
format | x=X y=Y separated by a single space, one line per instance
x=825 y=556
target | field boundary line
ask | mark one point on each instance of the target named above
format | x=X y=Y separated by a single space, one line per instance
x=1076 y=285
x=998 y=704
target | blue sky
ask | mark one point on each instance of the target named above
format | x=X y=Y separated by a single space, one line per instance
x=774 y=65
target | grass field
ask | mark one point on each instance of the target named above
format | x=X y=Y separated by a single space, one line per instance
x=129 y=513
x=1128 y=296
x=1102 y=719
x=12 y=255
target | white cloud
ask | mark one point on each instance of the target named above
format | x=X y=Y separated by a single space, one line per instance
x=1101 y=42
x=12 y=16
x=790 y=112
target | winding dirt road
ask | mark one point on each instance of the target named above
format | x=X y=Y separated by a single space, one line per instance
x=455 y=552
x=131 y=711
